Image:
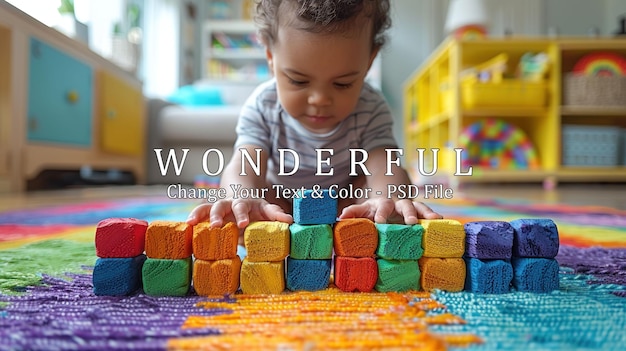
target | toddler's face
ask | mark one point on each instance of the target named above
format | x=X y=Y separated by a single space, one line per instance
x=319 y=76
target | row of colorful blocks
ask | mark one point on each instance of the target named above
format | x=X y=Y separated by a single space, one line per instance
x=436 y=254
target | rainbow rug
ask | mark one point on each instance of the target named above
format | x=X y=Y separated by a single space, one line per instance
x=46 y=299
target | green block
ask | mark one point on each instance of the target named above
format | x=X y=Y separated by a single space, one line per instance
x=311 y=242
x=397 y=276
x=399 y=241
x=164 y=277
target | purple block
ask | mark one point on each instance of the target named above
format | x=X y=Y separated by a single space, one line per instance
x=537 y=275
x=488 y=276
x=489 y=240
x=535 y=238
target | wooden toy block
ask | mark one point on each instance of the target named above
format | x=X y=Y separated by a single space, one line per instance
x=166 y=277
x=169 y=240
x=308 y=275
x=117 y=276
x=262 y=277
x=355 y=237
x=535 y=238
x=312 y=210
x=120 y=237
x=311 y=242
x=267 y=241
x=446 y=274
x=488 y=276
x=488 y=240
x=212 y=244
x=537 y=275
x=216 y=278
x=355 y=274
x=397 y=276
x=399 y=241
x=443 y=238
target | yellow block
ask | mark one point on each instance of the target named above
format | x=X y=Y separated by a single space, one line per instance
x=446 y=274
x=216 y=278
x=262 y=277
x=267 y=241
x=443 y=238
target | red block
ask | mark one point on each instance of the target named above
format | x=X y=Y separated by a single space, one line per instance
x=120 y=237
x=355 y=274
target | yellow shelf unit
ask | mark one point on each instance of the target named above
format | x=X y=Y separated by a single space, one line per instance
x=435 y=112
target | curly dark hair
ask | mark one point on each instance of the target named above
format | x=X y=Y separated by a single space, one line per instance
x=322 y=16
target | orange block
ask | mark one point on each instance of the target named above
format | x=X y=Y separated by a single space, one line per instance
x=216 y=278
x=446 y=274
x=443 y=238
x=267 y=241
x=262 y=277
x=213 y=244
x=169 y=240
x=355 y=237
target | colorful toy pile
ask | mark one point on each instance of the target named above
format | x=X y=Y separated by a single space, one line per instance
x=485 y=257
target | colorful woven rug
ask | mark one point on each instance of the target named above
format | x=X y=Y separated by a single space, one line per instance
x=46 y=299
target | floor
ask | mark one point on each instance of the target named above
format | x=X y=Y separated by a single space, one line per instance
x=608 y=195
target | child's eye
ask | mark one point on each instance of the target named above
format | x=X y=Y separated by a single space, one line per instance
x=343 y=85
x=297 y=82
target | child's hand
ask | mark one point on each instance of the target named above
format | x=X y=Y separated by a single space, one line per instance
x=389 y=211
x=242 y=212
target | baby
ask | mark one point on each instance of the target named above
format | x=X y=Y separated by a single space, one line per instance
x=319 y=106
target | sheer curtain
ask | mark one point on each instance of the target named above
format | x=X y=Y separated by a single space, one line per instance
x=161 y=36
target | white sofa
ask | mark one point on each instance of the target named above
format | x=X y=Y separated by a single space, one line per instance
x=195 y=128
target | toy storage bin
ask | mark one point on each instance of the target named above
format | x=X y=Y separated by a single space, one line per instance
x=586 y=145
x=585 y=90
x=507 y=93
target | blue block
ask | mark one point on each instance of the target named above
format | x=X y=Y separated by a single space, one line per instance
x=488 y=276
x=312 y=210
x=309 y=275
x=489 y=240
x=535 y=238
x=117 y=276
x=538 y=275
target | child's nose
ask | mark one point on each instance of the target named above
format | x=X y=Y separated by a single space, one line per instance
x=319 y=98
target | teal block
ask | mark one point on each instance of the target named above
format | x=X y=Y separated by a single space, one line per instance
x=399 y=241
x=311 y=242
x=397 y=276
x=537 y=275
x=307 y=275
x=165 y=277
x=488 y=276
x=117 y=276
x=315 y=207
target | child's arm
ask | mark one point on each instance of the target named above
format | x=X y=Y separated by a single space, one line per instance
x=240 y=211
x=381 y=208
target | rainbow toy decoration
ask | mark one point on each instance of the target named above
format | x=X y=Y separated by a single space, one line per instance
x=601 y=64
x=493 y=143
x=471 y=32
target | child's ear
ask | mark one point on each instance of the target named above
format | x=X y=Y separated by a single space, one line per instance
x=270 y=60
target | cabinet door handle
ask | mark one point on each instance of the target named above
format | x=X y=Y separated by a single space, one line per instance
x=72 y=96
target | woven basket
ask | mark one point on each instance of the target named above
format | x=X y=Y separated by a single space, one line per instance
x=594 y=90
x=588 y=145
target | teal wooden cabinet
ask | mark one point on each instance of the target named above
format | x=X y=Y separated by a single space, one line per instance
x=60 y=96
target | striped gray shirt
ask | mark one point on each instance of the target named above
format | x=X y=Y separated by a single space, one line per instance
x=265 y=124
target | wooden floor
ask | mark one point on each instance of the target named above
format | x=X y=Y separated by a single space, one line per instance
x=609 y=195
